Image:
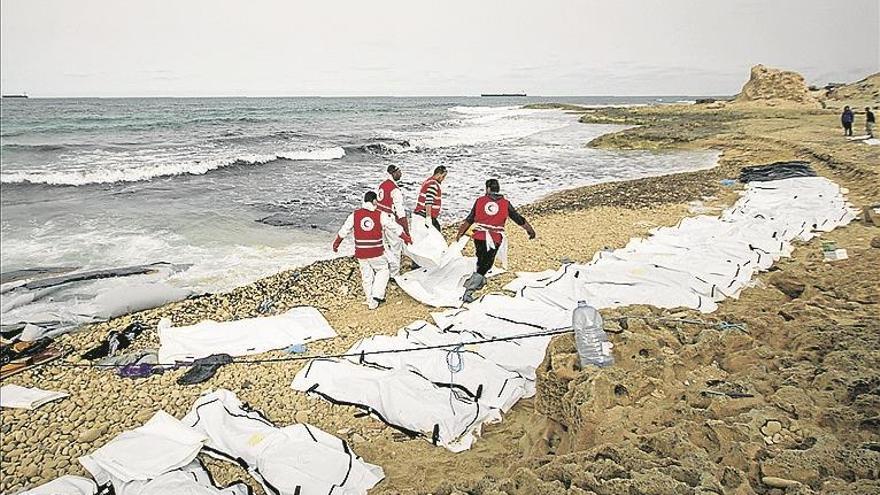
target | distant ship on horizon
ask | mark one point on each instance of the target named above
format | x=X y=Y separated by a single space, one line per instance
x=22 y=96
x=503 y=94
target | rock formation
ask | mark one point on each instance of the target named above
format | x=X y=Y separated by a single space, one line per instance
x=776 y=87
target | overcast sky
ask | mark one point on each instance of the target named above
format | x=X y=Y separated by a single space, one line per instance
x=412 y=47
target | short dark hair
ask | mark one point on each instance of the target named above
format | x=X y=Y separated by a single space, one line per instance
x=391 y=168
x=492 y=185
x=440 y=169
x=370 y=196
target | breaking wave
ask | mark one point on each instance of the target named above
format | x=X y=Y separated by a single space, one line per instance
x=82 y=176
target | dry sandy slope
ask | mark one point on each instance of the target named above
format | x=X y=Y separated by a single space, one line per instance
x=811 y=362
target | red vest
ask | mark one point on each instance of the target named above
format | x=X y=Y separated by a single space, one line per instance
x=490 y=215
x=385 y=203
x=367 y=234
x=420 y=203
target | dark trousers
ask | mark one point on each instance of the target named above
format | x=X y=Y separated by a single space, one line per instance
x=485 y=257
x=847 y=129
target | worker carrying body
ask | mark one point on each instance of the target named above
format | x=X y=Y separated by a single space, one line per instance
x=430 y=197
x=391 y=205
x=370 y=226
x=488 y=216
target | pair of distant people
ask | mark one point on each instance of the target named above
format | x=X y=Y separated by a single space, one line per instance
x=847 y=118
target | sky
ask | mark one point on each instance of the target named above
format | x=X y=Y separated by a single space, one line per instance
x=413 y=47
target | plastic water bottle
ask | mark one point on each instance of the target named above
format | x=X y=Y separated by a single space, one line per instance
x=590 y=338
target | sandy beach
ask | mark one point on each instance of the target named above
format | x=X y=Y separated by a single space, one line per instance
x=802 y=416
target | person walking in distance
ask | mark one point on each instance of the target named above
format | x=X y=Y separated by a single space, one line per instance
x=488 y=216
x=370 y=226
x=870 y=122
x=846 y=119
x=430 y=197
x=391 y=205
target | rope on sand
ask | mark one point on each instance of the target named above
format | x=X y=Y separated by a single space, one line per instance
x=452 y=347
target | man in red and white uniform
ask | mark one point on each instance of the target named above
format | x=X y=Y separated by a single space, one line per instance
x=391 y=205
x=370 y=226
x=430 y=197
x=488 y=216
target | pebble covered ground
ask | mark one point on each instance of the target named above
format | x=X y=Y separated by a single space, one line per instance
x=811 y=426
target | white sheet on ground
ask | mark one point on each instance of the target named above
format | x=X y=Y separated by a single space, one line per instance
x=400 y=398
x=16 y=396
x=457 y=366
x=243 y=337
x=520 y=356
x=695 y=264
x=298 y=458
x=443 y=285
x=65 y=485
x=703 y=260
x=192 y=479
x=161 y=445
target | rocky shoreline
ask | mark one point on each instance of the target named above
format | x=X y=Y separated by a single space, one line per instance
x=808 y=361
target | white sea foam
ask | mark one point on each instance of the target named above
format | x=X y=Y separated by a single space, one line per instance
x=103 y=167
x=484 y=125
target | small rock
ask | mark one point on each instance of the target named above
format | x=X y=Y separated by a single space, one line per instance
x=772 y=427
x=777 y=438
x=774 y=482
x=143 y=416
x=301 y=416
x=358 y=438
x=768 y=440
x=91 y=435
x=343 y=431
x=30 y=471
x=875 y=242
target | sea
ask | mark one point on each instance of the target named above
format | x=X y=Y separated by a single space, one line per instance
x=237 y=189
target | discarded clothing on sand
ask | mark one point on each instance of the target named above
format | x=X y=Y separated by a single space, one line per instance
x=203 y=369
x=242 y=337
x=140 y=370
x=298 y=459
x=15 y=396
x=115 y=341
x=401 y=399
x=148 y=356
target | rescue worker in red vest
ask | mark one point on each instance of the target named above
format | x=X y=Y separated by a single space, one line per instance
x=370 y=226
x=430 y=198
x=488 y=216
x=391 y=205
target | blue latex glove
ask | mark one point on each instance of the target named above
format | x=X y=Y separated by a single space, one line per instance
x=297 y=349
